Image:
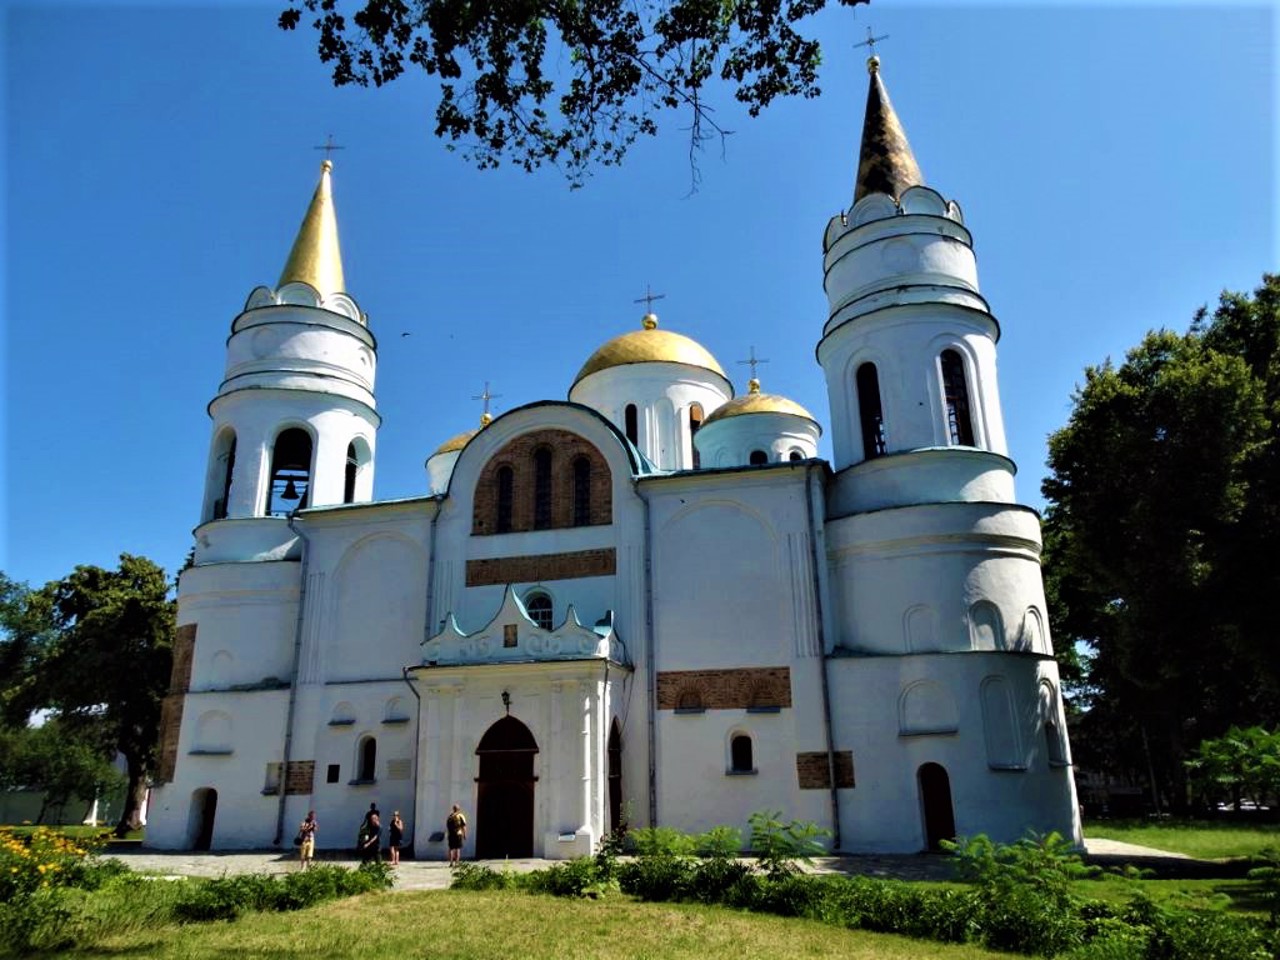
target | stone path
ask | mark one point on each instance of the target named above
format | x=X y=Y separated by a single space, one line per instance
x=434 y=875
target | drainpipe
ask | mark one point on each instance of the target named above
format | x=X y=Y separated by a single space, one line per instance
x=426 y=631
x=650 y=658
x=822 y=653
x=293 y=683
x=417 y=740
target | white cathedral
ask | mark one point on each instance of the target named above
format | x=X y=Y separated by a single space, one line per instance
x=649 y=602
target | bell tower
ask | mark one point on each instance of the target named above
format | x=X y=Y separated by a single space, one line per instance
x=909 y=346
x=294 y=419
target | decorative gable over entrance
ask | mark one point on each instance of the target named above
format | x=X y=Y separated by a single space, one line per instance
x=519 y=725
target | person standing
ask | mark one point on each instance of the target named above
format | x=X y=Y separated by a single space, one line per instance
x=307 y=834
x=395 y=838
x=455 y=827
x=371 y=835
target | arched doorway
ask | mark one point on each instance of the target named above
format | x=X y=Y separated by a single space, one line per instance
x=615 y=777
x=504 y=804
x=204 y=805
x=935 y=805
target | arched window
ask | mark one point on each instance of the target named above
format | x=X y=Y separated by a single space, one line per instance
x=759 y=457
x=795 y=456
x=506 y=484
x=581 y=492
x=538 y=606
x=349 y=476
x=366 y=759
x=689 y=700
x=696 y=417
x=290 y=472
x=740 y=754
x=870 y=413
x=542 y=488
x=955 y=390
x=631 y=417
x=226 y=459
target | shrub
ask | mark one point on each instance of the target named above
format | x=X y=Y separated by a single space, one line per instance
x=780 y=845
x=660 y=877
x=472 y=876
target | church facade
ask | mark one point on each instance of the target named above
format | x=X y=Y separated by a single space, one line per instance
x=650 y=602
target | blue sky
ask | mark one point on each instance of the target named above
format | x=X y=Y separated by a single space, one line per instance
x=1116 y=165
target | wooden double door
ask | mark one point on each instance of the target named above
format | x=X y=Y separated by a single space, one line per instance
x=505 y=791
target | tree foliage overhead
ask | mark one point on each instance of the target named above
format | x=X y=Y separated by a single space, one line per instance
x=1161 y=534
x=569 y=82
x=100 y=660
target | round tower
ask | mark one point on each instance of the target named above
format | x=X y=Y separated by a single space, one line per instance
x=657 y=387
x=294 y=420
x=909 y=346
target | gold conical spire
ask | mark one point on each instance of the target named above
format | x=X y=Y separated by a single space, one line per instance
x=315 y=257
x=885 y=162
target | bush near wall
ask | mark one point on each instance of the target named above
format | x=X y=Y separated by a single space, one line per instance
x=1016 y=897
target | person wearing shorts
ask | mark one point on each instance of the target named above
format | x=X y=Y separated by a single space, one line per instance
x=307 y=831
x=455 y=828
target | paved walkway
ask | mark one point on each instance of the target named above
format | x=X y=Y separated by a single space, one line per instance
x=434 y=875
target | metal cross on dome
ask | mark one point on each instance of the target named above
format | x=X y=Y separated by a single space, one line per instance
x=870 y=42
x=648 y=298
x=486 y=397
x=753 y=361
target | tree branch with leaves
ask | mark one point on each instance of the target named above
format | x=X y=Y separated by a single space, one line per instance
x=570 y=83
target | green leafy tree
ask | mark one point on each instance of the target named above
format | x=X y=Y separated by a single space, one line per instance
x=64 y=764
x=1243 y=764
x=1161 y=509
x=26 y=629
x=101 y=663
x=569 y=83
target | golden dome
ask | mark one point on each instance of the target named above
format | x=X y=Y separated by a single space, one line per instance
x=455 y=443
x=315 y=258
x=757 y=402
x=649 y=345
x=462 y=439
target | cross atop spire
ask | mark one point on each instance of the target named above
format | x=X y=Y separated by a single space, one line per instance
x=330 y=146
x=870 y=44
x=486 y=418
x=753 y=361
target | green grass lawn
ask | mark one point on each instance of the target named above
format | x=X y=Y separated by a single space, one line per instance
x=1204 y=839
x=505 y=925
x=78 y=831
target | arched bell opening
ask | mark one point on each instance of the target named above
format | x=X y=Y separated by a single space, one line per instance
x=290 y=487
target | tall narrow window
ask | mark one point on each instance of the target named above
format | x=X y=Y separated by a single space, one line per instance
x=695 y=423
x=542 y=488
x=349 y=477
x=506 y=484
x=290 y=472
x=538 y=606
x=759 y=458
x=581 y=492
x=368 y=759
x=956 y=392
x=631 y=417
x=740 y=754
x=870 y=413
x=227 y=461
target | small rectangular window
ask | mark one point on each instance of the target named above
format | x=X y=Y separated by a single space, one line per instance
x=272 y=783
x=510 y=635
x=331 y=776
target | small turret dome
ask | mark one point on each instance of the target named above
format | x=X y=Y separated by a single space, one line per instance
x=757 y=402
x=650 y=345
